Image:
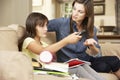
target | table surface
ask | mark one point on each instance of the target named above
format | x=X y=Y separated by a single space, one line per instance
x=108 y=36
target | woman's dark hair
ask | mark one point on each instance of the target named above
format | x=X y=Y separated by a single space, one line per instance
x=88 y=22
x=32 y=21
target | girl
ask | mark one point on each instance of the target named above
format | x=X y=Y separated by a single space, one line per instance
x=36 y=28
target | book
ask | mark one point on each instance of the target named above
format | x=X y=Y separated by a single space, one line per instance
x=76 y=62
x=62 y=67
x=53 y=68
x=50 y=72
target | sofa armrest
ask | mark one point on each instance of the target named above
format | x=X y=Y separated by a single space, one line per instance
x=110 y=49
x=15 y=66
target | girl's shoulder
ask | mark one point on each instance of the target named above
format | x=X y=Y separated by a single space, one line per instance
x=29 y=39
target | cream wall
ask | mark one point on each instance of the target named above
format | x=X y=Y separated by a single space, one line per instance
x=14 y=11
x=47 y=8
x=109 y=18
x=51 y=10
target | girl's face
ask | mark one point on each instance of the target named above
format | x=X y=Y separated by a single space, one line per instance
x=78 y=12
x=41 y=30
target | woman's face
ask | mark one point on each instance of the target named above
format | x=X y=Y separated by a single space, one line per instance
x=78 y=12
x=41 y=30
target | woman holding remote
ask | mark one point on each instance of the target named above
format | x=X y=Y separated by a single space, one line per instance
x=82 y=18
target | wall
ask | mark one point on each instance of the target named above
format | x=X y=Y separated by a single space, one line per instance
x=47 y=8
x=14 y=11
x=109 y=18
x=106 y=20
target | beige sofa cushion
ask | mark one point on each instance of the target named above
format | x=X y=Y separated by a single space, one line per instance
x=8 y=39
x=15 y=66
x=50 y=38
x=18 y=28
x=109 y=76
x=110 y=49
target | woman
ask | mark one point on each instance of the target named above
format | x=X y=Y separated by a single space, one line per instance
x=82 y=18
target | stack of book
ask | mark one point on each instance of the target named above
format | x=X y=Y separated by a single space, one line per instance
x=56 y=68
x=53 y=68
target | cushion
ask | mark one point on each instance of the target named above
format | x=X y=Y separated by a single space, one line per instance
x=110 y=49
x=8 y=39
x=50 y=38
x=109 y=76
x=18 y=28
x=20 y=31
x=15 y=66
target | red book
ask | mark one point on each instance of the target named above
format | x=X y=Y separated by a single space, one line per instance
x=76 y=62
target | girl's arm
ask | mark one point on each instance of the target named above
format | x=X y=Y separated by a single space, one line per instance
x=37 y=48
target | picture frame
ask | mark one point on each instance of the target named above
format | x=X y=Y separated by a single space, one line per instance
x=98 y=1
x=99 y=9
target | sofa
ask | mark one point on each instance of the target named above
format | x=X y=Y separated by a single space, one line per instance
x=9 y=36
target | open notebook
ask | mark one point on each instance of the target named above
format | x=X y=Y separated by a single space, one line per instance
x=53 y=68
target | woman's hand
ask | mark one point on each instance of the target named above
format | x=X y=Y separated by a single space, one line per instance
x=72 y=38
x=90 y=42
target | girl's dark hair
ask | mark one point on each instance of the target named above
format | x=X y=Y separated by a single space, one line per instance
x=88 y=22
x=32 y=21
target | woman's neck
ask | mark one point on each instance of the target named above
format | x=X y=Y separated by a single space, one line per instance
x=79 y=26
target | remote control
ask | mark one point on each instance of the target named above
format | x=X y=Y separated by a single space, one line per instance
x=81 y=33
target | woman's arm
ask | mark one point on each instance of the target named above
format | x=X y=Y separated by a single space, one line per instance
x=92 y=44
